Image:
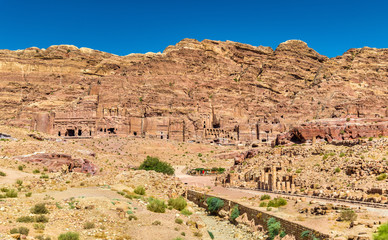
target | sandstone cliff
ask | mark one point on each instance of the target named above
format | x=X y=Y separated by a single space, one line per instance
x=239 y=82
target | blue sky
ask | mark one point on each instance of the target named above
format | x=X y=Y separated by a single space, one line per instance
x=123 y=27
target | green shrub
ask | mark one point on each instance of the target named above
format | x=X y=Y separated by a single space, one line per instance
x=211 y=235
x=273 y=228
x=21 y=230
x=337 y=170
x=40 y=237
x=347 y=119
x=156 y=205
x=156 y=223
x=381 y=177
x=36 y=171
x=39 y=226
x=235 y=213
x=25 y=219
x=11 y=194
x=305 y=234
x=342 y=154
x=69 y=236
x=132 y=217
x=139 y=190
x=178 y=220
x=28 y=194
x=178 y=203
x=348 y=215
x=2 y=174
x=186 y=212
x=382 y=232
x=153 y=163
x=19 y=182
x=214 y=204
x=39 y=208
x=277 y=202
x=41 y=219
x=89 y=225
x=44 y=176
x=265 y=197
x=370 y=139
x=20 y=167
x=263 y=204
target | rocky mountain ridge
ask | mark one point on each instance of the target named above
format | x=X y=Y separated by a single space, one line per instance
x=237 y=81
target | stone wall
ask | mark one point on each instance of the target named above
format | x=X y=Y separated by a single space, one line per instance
x=259 y=217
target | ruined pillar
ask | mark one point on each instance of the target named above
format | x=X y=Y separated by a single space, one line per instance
x=283 y=186
x=292 y=187
x=266 y=181
x=273 y=180
x=288 y=186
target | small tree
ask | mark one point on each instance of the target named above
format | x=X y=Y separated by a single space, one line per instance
x=214 y=204
x=273 y=228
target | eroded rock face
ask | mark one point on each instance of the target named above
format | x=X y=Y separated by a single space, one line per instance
x=61 y=162
x=194 y=90
x=335 y=130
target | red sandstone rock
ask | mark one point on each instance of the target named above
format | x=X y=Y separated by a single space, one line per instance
x=61 y=162
x=199 y=91
x=335 y=130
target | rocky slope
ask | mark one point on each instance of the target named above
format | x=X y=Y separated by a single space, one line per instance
x=292 y=82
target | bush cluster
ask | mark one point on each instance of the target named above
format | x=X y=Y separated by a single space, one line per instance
x=265 y=197
x=139 y=190
x=178 y=203
x=21 y=230
x=9 y=193
x=156 y=205
x=69 y=236
x=153 y=163
x=277 y=202
x=348 y=215
x=29 y=219
x=39 y=208
x=381 y=177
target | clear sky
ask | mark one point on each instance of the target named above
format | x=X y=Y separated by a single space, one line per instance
x=121 y=27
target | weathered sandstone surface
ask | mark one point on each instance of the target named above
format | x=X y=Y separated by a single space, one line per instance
x=192 y=91
x=335 y=130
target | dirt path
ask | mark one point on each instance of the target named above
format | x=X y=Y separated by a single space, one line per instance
x=196 y=181
x=84 y=192
x=13 y=175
